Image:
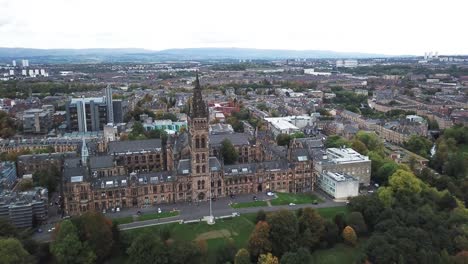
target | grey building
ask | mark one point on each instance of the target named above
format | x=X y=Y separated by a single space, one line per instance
x=120 y=109
x=7 y=174
x=110 y=107
x=24 y=209
x=345 y=160
x=338 y=185
x=86 y=114
x=37 y=121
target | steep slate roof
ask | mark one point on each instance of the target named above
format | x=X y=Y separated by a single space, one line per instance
x=236 y=139
x=134 y=145
x=96 y=162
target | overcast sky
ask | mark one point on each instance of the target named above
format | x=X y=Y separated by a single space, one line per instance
x=375 y=26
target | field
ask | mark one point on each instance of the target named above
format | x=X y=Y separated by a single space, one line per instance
x=296 y=198
x=249 y=204
x=238 y=229
x=340 y=253
x=143 y=217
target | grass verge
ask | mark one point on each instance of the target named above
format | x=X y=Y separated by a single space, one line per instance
x=296 y=198
x=249 y=204
x=144 y=217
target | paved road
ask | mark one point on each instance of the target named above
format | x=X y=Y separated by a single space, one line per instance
x=220 y=207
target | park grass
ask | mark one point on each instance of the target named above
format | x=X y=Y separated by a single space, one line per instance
x=123 y=220
x=151 y=216
x=296 y=198
x=330 y=212
x=237 y=230
x=249 y=204
x=144 y=217
x=340 y=253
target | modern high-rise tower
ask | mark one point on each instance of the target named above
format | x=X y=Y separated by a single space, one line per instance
x=110 y=109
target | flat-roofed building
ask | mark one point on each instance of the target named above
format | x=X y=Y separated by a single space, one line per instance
x=345 y=160
x=338 y=185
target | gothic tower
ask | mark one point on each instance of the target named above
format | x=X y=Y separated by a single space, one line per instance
x=199 y=145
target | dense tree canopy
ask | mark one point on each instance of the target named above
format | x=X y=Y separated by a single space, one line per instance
x=228 y=152
x=12 y=252
x=7 y=125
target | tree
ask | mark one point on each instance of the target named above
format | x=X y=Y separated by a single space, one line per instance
x=12 y=252
x=96 y=230
x=404 y=181
x=261 y=216
x=242 y=257
x=331 y=235
x=138 y=128
x=229 y=152
x=371 y=140
x=299 y=257
x=340 y=221
x=283 y=140
x=336 y=141
x=267 y=259
x=419 y=145
x=7 y=229
x=358 y=146
x=259 y=242
x=181 y=252
x=311 y=227
x=385 y=171
x=147 y=248
x=283 y=231
x=7 y=125
x=350 y=236
x=226 y=252
x=67 y=247
x=356 y=221
x=48 y=178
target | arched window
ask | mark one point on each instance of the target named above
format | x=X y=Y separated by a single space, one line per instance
x=180 y=187
x=203 y=184
x=203 y=142
x=198 y=158
x=197 y=142
x=203 y=168
x=198 y=169
x=219 y=183
x=203 y=157
x=198 y=185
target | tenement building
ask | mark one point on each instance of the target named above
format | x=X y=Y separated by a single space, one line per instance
x=188 y=167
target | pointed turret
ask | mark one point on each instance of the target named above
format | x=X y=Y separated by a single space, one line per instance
x=198 y=108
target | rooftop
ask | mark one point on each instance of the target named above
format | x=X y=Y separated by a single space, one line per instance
x=344 y=155
x=134 y=146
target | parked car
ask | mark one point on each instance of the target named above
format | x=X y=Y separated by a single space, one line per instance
x=292 y=204
x=270 y=194
x=159 y=210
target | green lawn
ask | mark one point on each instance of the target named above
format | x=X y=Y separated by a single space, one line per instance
x=238 y=229
x=296 y=198
x=330 y=212
x=249 y=204
x=340 y=253
x=143 y=217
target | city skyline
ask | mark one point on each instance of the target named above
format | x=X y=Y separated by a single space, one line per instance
x=389 y=28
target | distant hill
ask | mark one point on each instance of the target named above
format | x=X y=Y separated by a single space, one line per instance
x=264 y=53
x=144 y=55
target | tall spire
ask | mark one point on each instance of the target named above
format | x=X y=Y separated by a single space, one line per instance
x=199 y=108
